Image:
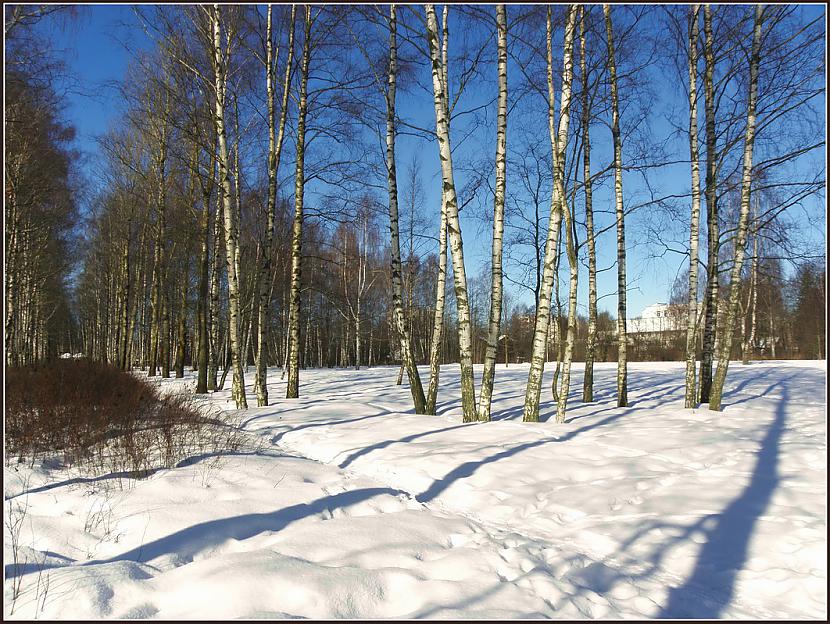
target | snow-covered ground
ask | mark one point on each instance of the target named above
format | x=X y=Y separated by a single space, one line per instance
x=346 y=504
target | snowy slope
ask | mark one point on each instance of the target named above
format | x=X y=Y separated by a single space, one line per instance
x=347 y=504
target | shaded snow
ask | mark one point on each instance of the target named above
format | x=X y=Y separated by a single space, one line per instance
x=348 y=505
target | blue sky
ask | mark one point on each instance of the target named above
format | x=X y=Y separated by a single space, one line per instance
x=90 y=46
x=94 y=50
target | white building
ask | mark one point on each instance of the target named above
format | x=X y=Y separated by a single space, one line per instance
x=658 y=317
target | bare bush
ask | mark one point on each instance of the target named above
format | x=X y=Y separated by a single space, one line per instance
x=102 y=419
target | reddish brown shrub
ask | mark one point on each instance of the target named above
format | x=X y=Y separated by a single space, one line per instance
x=100 y=416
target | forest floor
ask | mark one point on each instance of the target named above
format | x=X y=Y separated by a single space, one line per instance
x=346 y=504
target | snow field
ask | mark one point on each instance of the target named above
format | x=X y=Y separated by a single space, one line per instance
x=346 y=504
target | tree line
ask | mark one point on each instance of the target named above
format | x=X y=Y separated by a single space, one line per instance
x=248 y=211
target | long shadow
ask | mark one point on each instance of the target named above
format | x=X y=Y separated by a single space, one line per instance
x=323 y=423
x=468 y=468
x=137 y=474
x=195 y=459
x=547 y=408
x=443 y=406
x=594 y=413
x=600 y=578
x=22 y=569
x=745 y=383
x=307 y=387
x=361 y=382
x=661 y=393
x=512 y=413
x=190 y=541
x=750 y=378
x=725 y=551
x=275 y=409
x=431 y=612
x=375 y=447
x=658 y=394
x=757 y=395
x=126 y=474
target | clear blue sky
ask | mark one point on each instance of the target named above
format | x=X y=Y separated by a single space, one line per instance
x=90 y=46
x=95 y=53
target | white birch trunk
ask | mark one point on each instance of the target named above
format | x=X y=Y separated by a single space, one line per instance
x=540 y=334
x=694 y=225
x=203 y=311
x=440 y=287
x=556 y=320
x=158 y=253
x=214 y=296
x=711 y=298
x=491 y=351
x=181 y=334
x=456 y=244
x=591 y=340
x=293 y=385
x=743 y=220
x=622 y=337
x=275 y=141
x=220 y=61
x=749 y=345
x=570 y=250
x=407 y=357
x=124 y=296
x=438 y=319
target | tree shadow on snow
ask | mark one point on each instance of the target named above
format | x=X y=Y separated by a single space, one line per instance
x=727 y=544
x=322 y=423
x=190 y=541
x=410 y=438
x=467 y=469
x=125 y=474
x=664 y=385
x=139 y=474
x=22 y=568
x=710 y=587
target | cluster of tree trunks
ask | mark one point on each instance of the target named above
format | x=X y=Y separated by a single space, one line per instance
x=194 y=262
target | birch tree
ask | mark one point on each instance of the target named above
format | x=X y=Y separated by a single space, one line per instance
x=161 y=135
x=221 y=63
x=540 y=334
x=206 y=182
x=694 y=225
x=356 y=275
x=622 y=338
x=573 y=282
x=591 y=340
x=438 y=318
x=276 y=134
x=215 y=276
x=743 y=219
x=441 y=281
x=293 y=385
x=713 y=231
x=498 y=222
x=749 y=343
x=124 y=296
x=468 y=402
x=181 y=329
x=407 y=357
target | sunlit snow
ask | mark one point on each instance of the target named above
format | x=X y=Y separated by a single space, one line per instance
x=346 y=504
